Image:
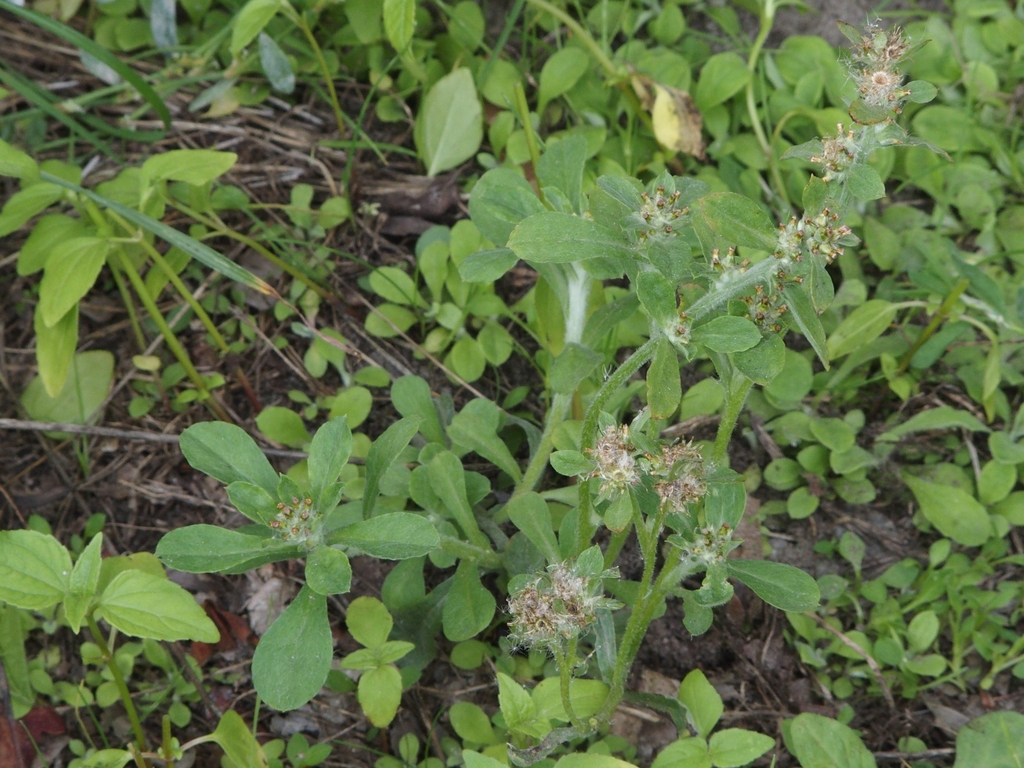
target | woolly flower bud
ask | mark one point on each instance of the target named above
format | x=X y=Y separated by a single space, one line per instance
x=875 y=67
x=682 y=468
x=615 y=463
x=837 y=153
x=818 y=235
x=710 y=546
x=658 y=213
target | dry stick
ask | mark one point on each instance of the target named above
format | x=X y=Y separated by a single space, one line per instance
x=854 y=645
x=124 y=434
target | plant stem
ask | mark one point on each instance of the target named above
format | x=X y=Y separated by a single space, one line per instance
x=585 y=527
x=466 y=551
x=172 y=341
x=565 y=661
x=300 y=20
x=767 y=17
x=556 y=414
x=122 y=687
x=167 y=743
x=940 y=315
x=735 y=398
x=129 y=305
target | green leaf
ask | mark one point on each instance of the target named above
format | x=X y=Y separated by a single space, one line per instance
x=55 y=349
x=292 y=660
x=394 y=285
x=399 y=22
x=283 y=425
x=529 y=513
x=942 y=417
x=237 y=741
x=469 y=606
x=572 y=366
x=864 y=182
x=380 y=694
x=561 y=238
x=561 y=167
x=865 y=324
x=586 y=696
x=993 y=741
x=192 y=166
x=88 y=382
x=727 y=333
x=279 y=74
x=35 y=569
x=411 y=397
x=727 y=219
x=703 y=704
x=212 y=549
x=735 y=747
x=658 y=297
x=516 y=705
x=471 y=723
x=252 y=501
x=954 y=511
x=448 y=481
x=328 y=454
x=250 y=21
x=499 y=201
x=686 y=753
x=487 y=266
x=821 y=742
x=83 y=582
x=70 y=272
x=49 y=233
x=14 y=162
x=664 y=388
x=328 y=571
x=571 y=463
x=475 y=427
x=589 y=760
x=227 y=453
x=143 y=605
x=722 y=76
x=762 y=362
x=806 y=319
x=368 y=621
x=449 y=126
x=26 y=203
x=560 y=73
x=778 y=584
x=382 y=455
x=467 y=359
x=391 y=536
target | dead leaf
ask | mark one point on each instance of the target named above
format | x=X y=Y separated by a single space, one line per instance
x=676 y=120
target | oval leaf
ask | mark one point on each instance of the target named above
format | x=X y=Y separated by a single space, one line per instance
x=783 y=586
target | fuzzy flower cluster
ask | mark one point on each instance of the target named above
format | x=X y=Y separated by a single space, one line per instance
x=294 y=522
x=838 y=153
x=659 y=212
x=616 y=465
x=766 y=309
x=681 y=473
x=875 y=67
x=818 y=235
x=710 y=546
x=556 y=606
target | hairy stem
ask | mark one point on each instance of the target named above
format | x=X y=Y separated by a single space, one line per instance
x=735 y=397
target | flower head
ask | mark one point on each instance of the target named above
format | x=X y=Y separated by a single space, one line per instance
x=616 y=465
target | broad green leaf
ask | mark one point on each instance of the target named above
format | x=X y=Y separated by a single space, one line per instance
x=703 y=704
x=382 y=455
x=448 y=481
x=283 y=425
x=762 y=362
x=212 y=549
x=69 y=274
x=572 y=366
x=664 y=388
x=193 y=166
x=380 y=694
x=250 y=21
x=411 y=397
x=239 y=745
x=89 y=378
x=449 y=126
x=475 y=427
x=252 y=501
x=821 y=742
x=26 y=203
x=487 y=266
x=83 y=582
x=328 y=571
x=499 y=201
x=560 y=73
x=469 y=606
x=394 y=285
x=50 y=232
x=328 y=455
x=658 y=297
x=561 y=238
x=143 y=605
x=586 y=696
x=14 y=162
x=292 y=660
x=727 y=333
x=866 y=323
x=778 y=584
x=993 y=741
x=864 y=182
x=15 y=661
x=735 y=747
x=942 y=417
x=471 y=723
x=954 y=511
x=688 y=752
x=279 y=74
x=722 y=76
x=806 y=319
x=399 y=22
x=55 y=349
x=466 y=359
x=391 y=536
x=561 y=167
x=35 y=569
x=516 y=705
x=571 y=463
x=368 y=621
x=727 y=219
x=588 y=760
x=529 y=513
x=227 y=453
